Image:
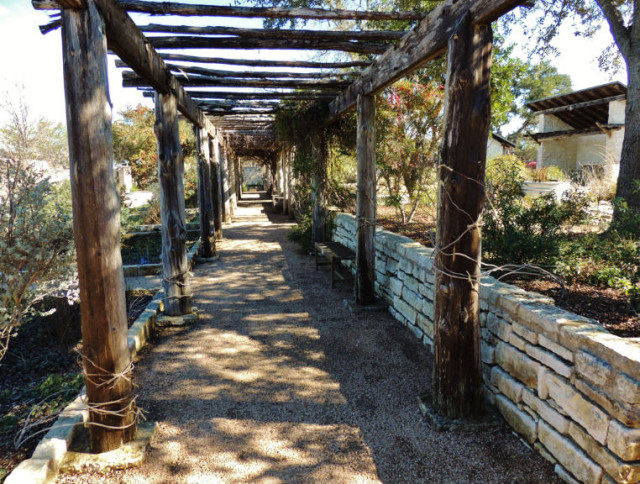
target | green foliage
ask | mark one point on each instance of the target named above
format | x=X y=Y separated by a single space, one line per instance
x=408 y=134
x=627 y=221
x=134 y=141
x=611 y=260
x=301 y=233
x=36 y=246
x=191 y=185
x=518 y=230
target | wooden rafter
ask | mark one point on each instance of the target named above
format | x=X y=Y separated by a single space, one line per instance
x=274 y=95
x=255 y=74
x=183 y=9
x=131 y=79
x=369 y=35
x=198 y=42
x=263 y=63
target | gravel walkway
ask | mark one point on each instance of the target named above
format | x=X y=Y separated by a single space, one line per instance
x=279 y=383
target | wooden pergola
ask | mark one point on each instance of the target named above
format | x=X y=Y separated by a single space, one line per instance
x=231 y=123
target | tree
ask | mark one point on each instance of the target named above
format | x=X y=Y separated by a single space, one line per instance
x=408 y=131
x=623 y=18
x=25 y=137
x=134 y=141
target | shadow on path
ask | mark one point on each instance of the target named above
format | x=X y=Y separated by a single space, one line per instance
x=278 y=382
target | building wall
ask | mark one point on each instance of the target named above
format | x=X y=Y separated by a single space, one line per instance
x=569 y=388
x=561 y=152
x=494 y=148
x=591 y=150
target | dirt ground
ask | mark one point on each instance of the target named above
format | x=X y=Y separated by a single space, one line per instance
x=278 y=382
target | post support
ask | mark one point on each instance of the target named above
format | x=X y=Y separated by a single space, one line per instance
x=457 y=379
x=175 y=268
x=224 y=175
x=216 y=187
x=96 y=227
x=285 y=184
x=205 y=200
x=318 y=187
x=366 y=202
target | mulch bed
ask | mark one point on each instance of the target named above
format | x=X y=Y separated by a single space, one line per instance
x=43 y=363
x=609 y=307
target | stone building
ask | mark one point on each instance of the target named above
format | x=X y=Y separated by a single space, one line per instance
x=583 y=130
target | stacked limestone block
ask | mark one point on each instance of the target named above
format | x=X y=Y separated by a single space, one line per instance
x=566 y=385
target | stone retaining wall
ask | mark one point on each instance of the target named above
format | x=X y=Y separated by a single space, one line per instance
x=567 y=386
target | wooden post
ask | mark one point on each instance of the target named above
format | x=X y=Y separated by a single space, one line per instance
x=457 y=381
x=224 y=173
x=175 y=268
x=290 y=182
x=218 y=206
x=285 y=184
x=366 y=201
x=205 y=201
x=318 y=187
x=281 y=189
x=96 y=228
x=238 y=172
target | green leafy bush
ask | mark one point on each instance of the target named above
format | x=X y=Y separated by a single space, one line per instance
x=518 y=230
x=36 y=243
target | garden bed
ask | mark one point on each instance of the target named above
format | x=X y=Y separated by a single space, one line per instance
x=609 y=306
x=41 y=373
x=147 y=248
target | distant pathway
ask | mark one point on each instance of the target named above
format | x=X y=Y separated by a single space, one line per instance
x=278 y=383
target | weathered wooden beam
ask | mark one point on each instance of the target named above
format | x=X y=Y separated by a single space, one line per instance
x=257 y=74
x=183 y=9
x=426 y=42
x=72 y=4
x=216 y=187
x=226 y=193
x=175 y=268
x=195 y=42
x=131 y=79
x=96 y=227
x=263 y=63
x=574 y=132
x=370 y=35
x=457 y=374
x=238 y=103
x=205 y=197
x=366 y=202
x=585 y=104
x=226 y=112
x=254 y=95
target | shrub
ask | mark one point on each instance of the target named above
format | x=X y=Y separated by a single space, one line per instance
x=518 y=230
x=36 y=244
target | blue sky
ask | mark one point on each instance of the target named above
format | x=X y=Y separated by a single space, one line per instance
x=35 y=60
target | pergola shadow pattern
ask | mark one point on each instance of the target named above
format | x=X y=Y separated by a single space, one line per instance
x=279 y=382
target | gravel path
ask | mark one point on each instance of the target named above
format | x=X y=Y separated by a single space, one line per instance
x=278 y=383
